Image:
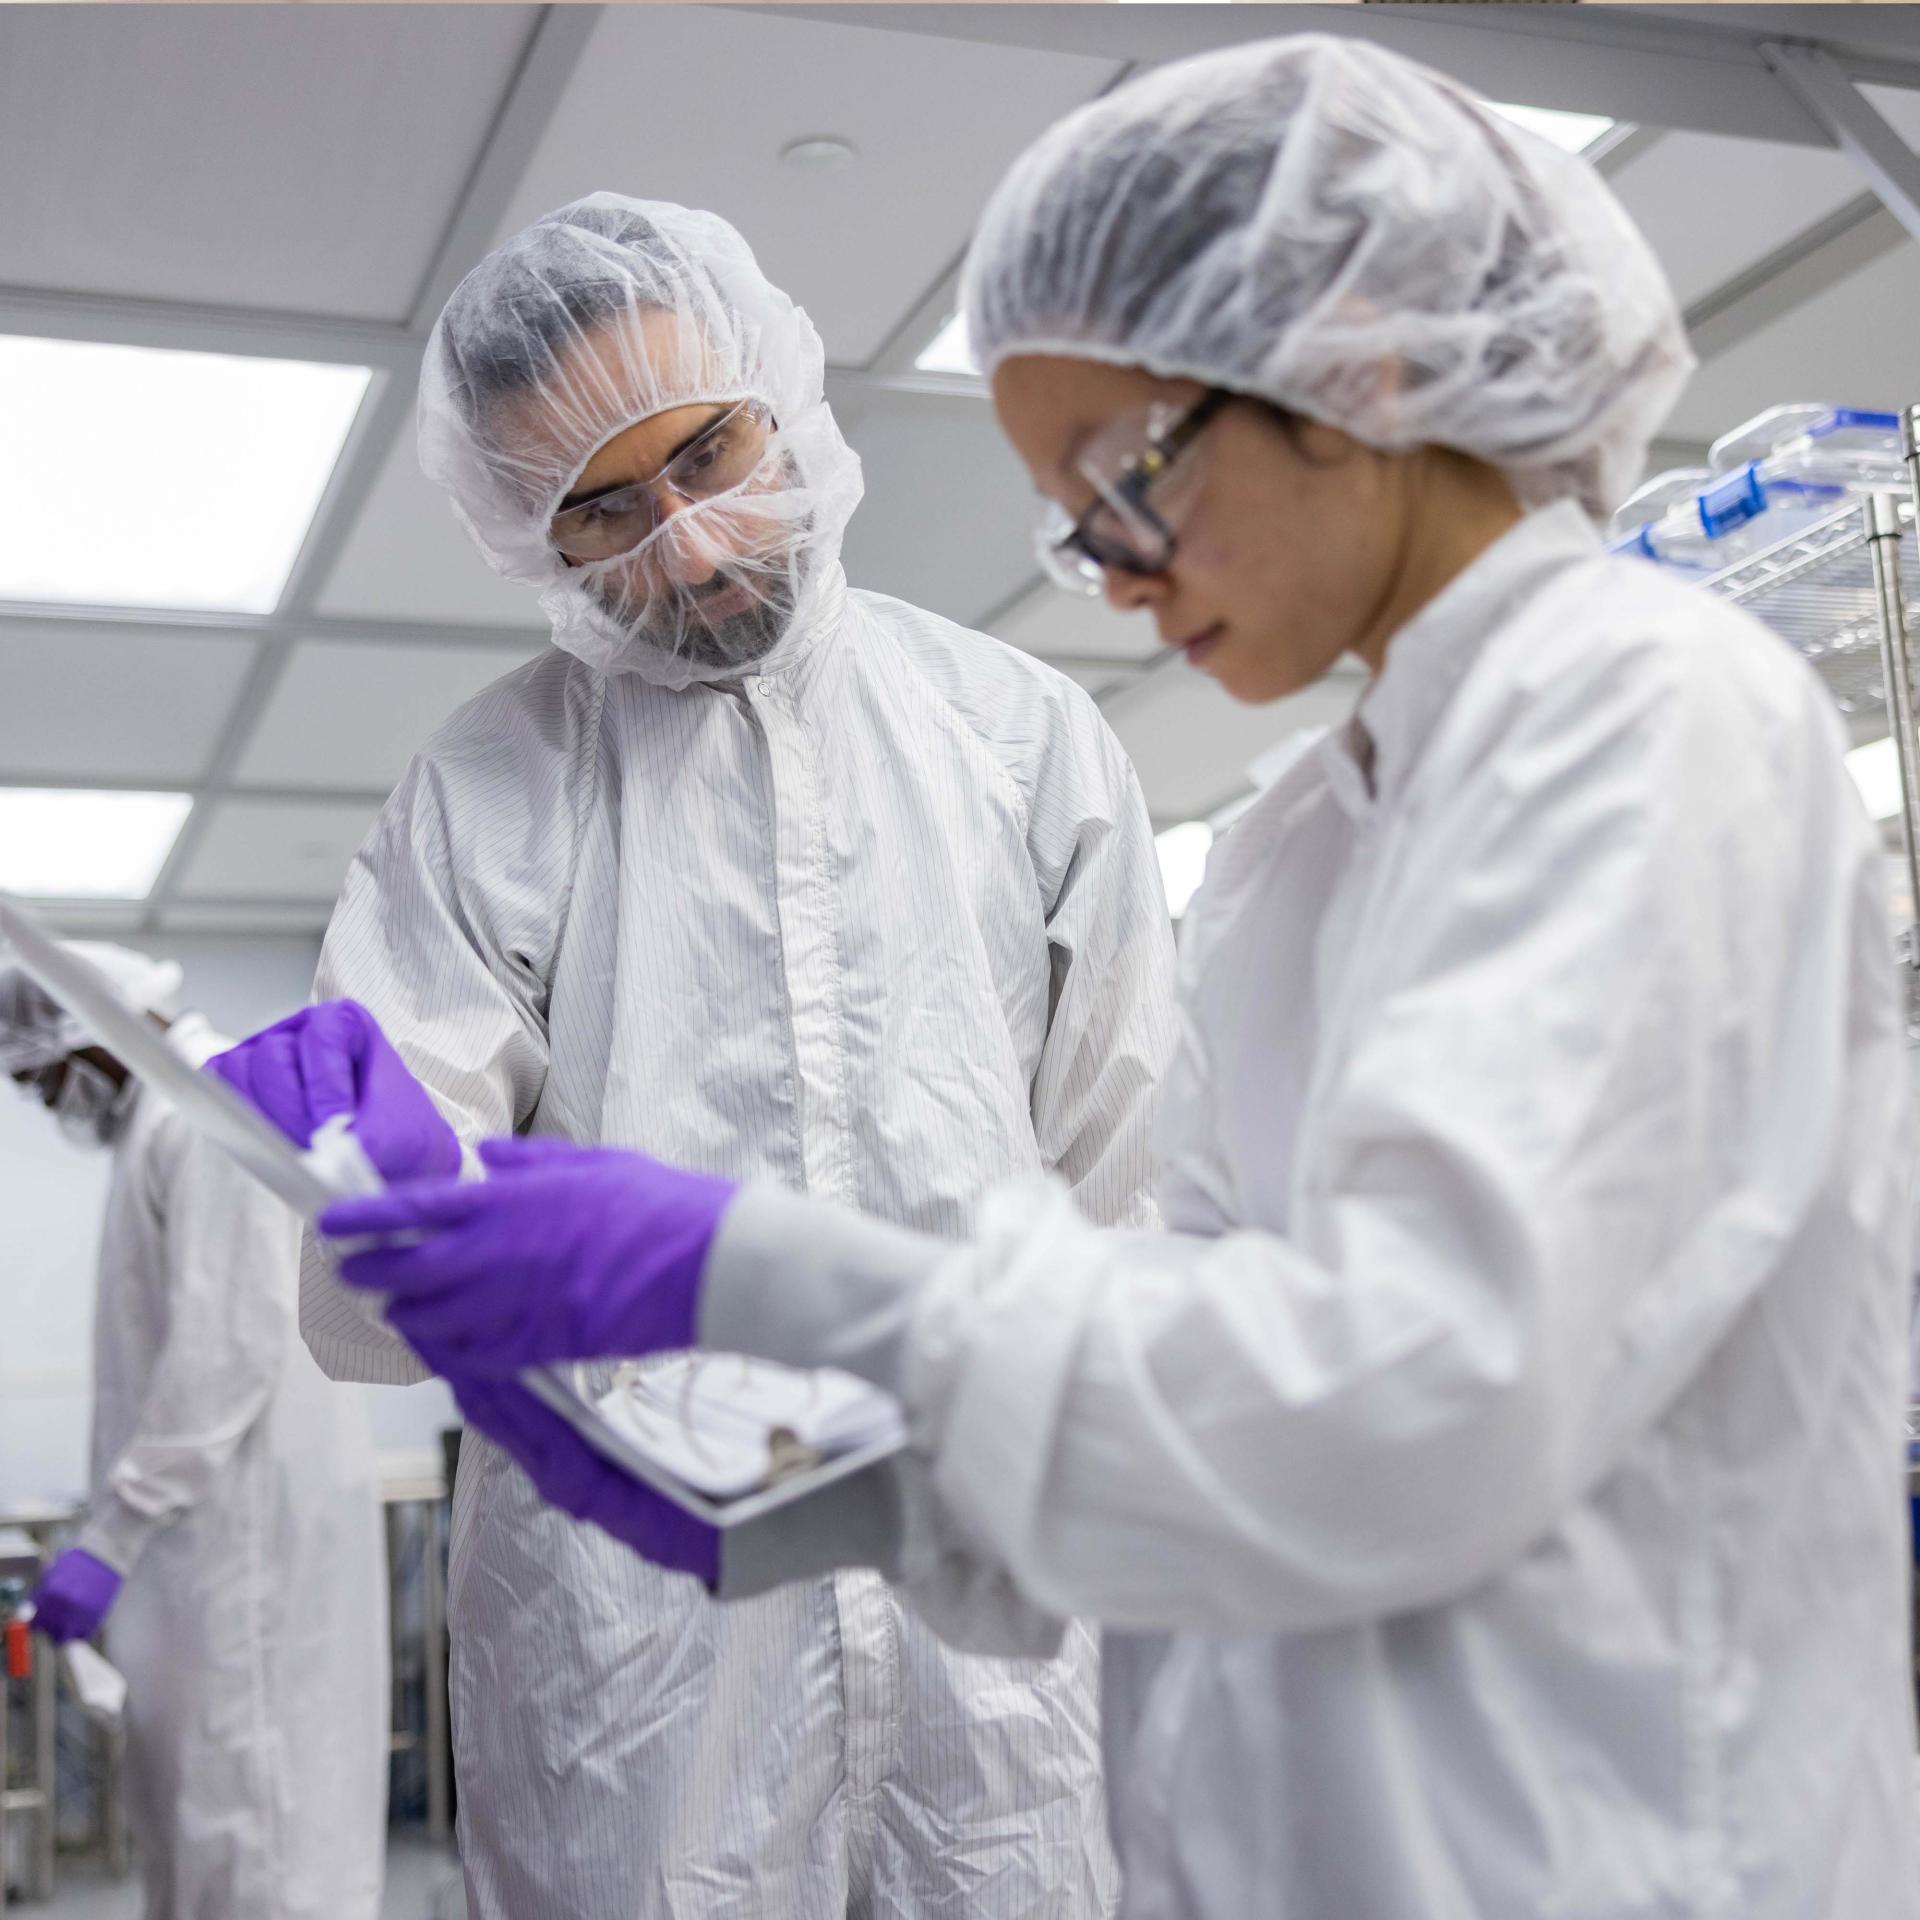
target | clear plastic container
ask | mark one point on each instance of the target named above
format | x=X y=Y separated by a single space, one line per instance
x=1654 y=497
x=1843 y=445
x=1661 y=500
x=1780 y=472
x=1758 y=437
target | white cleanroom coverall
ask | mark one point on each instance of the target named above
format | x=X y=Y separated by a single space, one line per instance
x=1493 y=1485
x=234 y=1488
x=830 y=892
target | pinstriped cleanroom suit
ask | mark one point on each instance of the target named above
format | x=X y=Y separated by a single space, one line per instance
x=882 y=922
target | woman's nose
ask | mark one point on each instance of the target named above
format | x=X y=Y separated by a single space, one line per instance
x=1130 y=592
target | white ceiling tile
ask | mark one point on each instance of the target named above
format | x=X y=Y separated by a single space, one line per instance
x=347 y=715
x=236 y=917
x=1067 y=626
x=1853 y=346
x=92 y=703
x=947 y=519
x=276 y=849
x=300 y=159
x=1713 y=207
x=693 y=104
x=407 y=558
x=1192 y=743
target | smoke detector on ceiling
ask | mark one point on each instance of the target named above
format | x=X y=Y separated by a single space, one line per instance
x=820 y=153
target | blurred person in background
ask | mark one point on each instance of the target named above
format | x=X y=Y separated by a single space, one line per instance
x=231 y=1547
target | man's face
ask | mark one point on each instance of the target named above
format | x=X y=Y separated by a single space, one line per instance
x=710 y=583
x=716 y=580
x=45 y=1083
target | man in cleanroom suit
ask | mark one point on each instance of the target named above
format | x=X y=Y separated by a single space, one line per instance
x=783 y=879
x=231 y=1545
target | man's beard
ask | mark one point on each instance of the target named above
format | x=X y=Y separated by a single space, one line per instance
x=674 y=621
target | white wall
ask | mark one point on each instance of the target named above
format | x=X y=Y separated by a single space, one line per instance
x=51 y=1194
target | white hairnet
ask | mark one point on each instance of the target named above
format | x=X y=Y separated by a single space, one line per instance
x=1351 y=237
x=35 y=1031
x=600 y=315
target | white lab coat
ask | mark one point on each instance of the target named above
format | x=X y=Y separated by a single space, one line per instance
x=234 y=1488
x=1492 y=1489
x=881 y=922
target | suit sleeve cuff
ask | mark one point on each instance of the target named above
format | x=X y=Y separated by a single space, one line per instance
x=116 y=1533
x=812 y=1285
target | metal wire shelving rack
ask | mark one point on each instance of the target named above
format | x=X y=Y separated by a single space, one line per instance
x=1845 y=592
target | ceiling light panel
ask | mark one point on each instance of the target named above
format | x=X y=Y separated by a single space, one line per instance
x=949 y=350
x=138 y=476
x=74 y=844
x=1572 y=132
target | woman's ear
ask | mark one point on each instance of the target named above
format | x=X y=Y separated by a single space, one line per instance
x=1371 y=390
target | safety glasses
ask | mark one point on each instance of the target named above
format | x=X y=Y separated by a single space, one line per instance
x=724 y=456
x=1137 y=471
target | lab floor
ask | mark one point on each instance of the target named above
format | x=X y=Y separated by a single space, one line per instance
x=423 y=1883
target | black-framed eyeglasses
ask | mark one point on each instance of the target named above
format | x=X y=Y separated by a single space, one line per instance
x=1130 y=526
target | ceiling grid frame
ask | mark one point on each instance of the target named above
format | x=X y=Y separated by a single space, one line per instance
x=554 y=44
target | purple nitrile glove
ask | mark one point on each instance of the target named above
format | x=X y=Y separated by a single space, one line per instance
x=331 y=1059
x=561 y=1253
x=568 y=1474
x=73 y=1596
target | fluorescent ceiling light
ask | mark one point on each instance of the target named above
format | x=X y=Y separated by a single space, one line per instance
x=1183 y=854
x=948 y=351
x=133 y=476
x=66 y=844
x=1575 y=132
x=1876 y=772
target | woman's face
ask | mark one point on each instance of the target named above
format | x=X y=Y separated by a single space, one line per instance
x=1288 y=537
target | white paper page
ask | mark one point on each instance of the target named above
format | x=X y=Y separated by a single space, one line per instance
x=99 y=1686
x=712 y=1419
